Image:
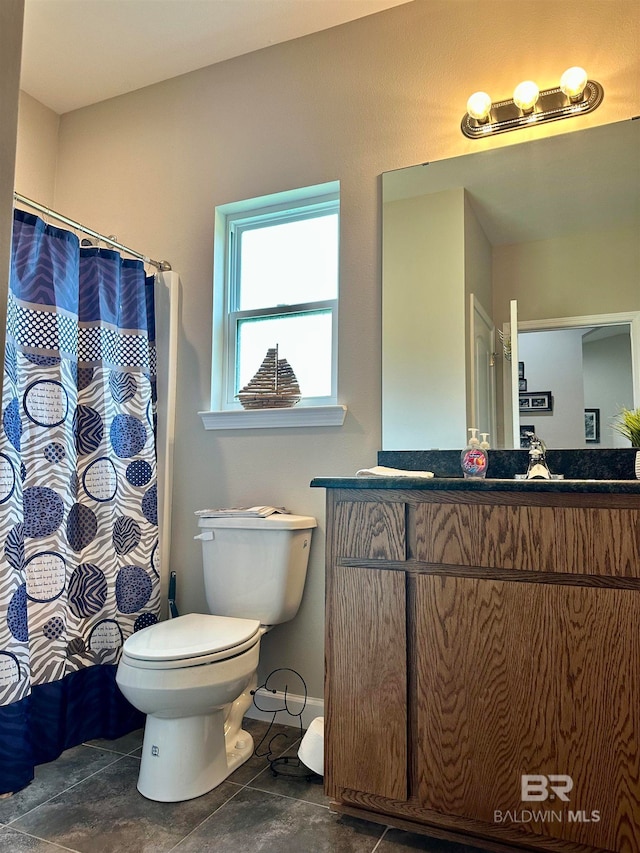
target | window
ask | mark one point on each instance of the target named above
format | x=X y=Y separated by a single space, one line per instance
x=280 y=274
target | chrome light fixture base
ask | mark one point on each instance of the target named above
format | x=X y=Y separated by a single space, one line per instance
x=552 y=105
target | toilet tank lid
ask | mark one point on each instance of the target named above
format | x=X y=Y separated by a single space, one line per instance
x=277 y=521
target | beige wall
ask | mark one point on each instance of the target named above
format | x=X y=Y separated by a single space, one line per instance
x=38 y=150
x=477 y=281
x=572 y=276
x=424 y=254
x=477 y=259
x=608 y=382
x=553 y=362
x=11 y=14
x=346 y=104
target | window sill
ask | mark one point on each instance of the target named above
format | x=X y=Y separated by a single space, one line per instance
x=303 y=416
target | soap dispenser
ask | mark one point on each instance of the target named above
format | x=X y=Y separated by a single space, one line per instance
x=474 y=459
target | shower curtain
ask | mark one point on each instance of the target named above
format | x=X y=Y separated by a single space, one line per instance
x=79 y=561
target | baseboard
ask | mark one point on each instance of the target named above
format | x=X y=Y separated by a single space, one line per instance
x=270 y=702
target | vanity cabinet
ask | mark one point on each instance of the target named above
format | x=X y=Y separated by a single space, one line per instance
x=476 y=637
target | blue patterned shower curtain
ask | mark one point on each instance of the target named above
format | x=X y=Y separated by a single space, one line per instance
x=79 y=561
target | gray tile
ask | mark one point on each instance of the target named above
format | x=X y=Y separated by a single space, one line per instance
x=257 y=822
x=126 y=745
x=106 y=813
x=397 y=841
x=72 y=766
x=292 y=780
x=278 y=739
x=16 y=842
x=276 y=736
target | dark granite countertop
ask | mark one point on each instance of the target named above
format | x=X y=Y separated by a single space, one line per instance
x=611 y=471
x=487 y=485
x=581 y=464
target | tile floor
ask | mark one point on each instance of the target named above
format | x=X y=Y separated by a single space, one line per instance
x=87 y=802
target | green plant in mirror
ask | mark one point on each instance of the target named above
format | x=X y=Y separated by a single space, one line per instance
x=628 y=425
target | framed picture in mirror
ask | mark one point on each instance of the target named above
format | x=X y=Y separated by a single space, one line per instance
x=526 y=431
x=536 y=401
x=592 y=426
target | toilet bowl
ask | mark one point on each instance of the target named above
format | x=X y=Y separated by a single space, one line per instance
x=193 y=675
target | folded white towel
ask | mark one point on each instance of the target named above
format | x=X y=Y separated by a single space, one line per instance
x=382 y=471
x=242 y=511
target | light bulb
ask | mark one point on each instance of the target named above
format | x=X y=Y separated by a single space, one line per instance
x=479 y=106
x=573 y=81
x=525 y=95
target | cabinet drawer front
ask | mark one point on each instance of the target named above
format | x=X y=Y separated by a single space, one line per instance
x=492 y=536
x=370 y=530
x=576 y=540
x=599 y=542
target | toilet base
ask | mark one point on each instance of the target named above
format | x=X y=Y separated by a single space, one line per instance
x=187 y=757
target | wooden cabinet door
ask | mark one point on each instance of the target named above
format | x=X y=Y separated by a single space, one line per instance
x=518 y=679
x=366 y=686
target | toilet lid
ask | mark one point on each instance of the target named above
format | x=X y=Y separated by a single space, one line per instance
x=192 y=638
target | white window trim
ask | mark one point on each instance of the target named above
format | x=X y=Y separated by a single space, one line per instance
x=303 y=416
x=310 y=411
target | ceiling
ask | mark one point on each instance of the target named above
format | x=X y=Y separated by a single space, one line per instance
x=79 y=52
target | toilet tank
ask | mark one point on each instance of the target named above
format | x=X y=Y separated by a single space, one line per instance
x=255 y=568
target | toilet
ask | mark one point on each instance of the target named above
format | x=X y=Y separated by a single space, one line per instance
x=193 y=675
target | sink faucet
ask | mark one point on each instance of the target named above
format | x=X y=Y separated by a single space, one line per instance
x=538 y=468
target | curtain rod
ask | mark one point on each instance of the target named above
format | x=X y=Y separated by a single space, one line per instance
x=160 y=265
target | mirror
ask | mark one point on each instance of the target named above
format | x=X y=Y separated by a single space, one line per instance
x=550 y=226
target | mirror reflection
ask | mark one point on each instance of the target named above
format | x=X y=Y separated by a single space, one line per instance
x=542 y=237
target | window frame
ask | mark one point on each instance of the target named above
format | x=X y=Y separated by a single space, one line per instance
x=231 y=221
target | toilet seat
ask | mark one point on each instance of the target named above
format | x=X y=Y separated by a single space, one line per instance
x=191 y=640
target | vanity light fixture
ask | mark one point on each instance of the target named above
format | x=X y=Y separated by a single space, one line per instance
x=525 y=96
x=576 y=95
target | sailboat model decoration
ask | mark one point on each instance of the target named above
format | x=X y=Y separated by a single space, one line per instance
x=273 y=387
